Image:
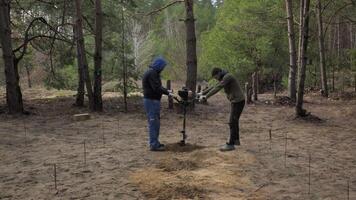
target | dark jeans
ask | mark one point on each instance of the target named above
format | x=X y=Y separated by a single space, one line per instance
x=236 y=110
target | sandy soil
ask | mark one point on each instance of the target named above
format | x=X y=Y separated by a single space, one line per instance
x=118 y=165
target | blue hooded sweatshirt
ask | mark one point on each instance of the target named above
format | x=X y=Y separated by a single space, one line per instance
x=158 y=64
x=151 y=81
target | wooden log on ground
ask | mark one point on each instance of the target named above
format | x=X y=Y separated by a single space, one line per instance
x=81 y=117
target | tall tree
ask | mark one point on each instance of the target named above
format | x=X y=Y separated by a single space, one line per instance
x=81 y=53
x=324 y=84
x=81 y=85
x=191 y=46
x=124 y=67
x=292 y=52
x=13 y=90
x=300 y=112
x=98 y=103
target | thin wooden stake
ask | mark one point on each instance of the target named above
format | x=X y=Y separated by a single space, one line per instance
x=270 y=134
x=25 y=129
x=85 y=155
x=103 y=134
x=270 y=139
x=348 y=189
x=170 y=99
x=309 y=174
x=199 y=88
x=55 y=176
x=270 y=183
x=285 y=150
x=118 y=126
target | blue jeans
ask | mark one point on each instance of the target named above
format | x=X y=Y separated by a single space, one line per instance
x=153 y=108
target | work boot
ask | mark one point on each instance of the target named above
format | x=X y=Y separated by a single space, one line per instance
x=227 y=147
x=160 y=148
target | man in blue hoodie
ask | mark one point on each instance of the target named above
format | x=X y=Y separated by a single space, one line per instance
x=152 y=93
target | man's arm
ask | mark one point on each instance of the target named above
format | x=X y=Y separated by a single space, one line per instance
x=155 y=83
x=207 y=90
x=226 y=80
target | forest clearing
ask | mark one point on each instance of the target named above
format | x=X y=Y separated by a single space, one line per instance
x=178 y=99
x=118 y=165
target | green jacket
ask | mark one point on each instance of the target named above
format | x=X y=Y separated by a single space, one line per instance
x=231 y=87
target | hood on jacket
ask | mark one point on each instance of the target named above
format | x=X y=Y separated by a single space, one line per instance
x=158 y=64
x=222 y=74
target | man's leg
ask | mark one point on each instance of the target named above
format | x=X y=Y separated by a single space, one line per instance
x=236 y=110
x=240 y=107
x=233 y=124
x=157 y=114
x=153 y=122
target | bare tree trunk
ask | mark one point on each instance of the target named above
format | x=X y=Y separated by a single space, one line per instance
x=80 y=90
x=13 y=90
x=355 y=83
x=98 y=102
x=292 y=52
x=124 y=58
x=301 y=21
x=254 y=86
x=248 y=97
x=28 y=76
x=81 y=54
x=338 y=49
x=191 y=47
x=324 y=82
x=170 y=99
x=302 y=68
x=274 y=85
x=352 y=41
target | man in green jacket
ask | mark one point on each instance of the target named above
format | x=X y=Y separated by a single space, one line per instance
x=235 y=96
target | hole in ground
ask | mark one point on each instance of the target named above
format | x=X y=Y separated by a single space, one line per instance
x=176 y=147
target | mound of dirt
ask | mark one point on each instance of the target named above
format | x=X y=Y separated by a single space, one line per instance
x=194 y=175
x=284 y=101
x=160 y=185
x=175 y=164
x=308 y=118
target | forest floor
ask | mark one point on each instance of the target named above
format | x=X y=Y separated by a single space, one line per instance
x=118 y=164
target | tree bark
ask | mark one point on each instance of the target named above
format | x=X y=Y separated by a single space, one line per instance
x=13 y=90
x=254 y=86
x=191 y=47
x=80 y=90
x=81 y=54
x=274 y=85
x=338 y=50
x=300 y=112
x=248 y=98
x=170 y=99
x=323 y=78
x=292 y=52
x=28 y=76
x=124 y=75
x=301 y=21
x=98 y=102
